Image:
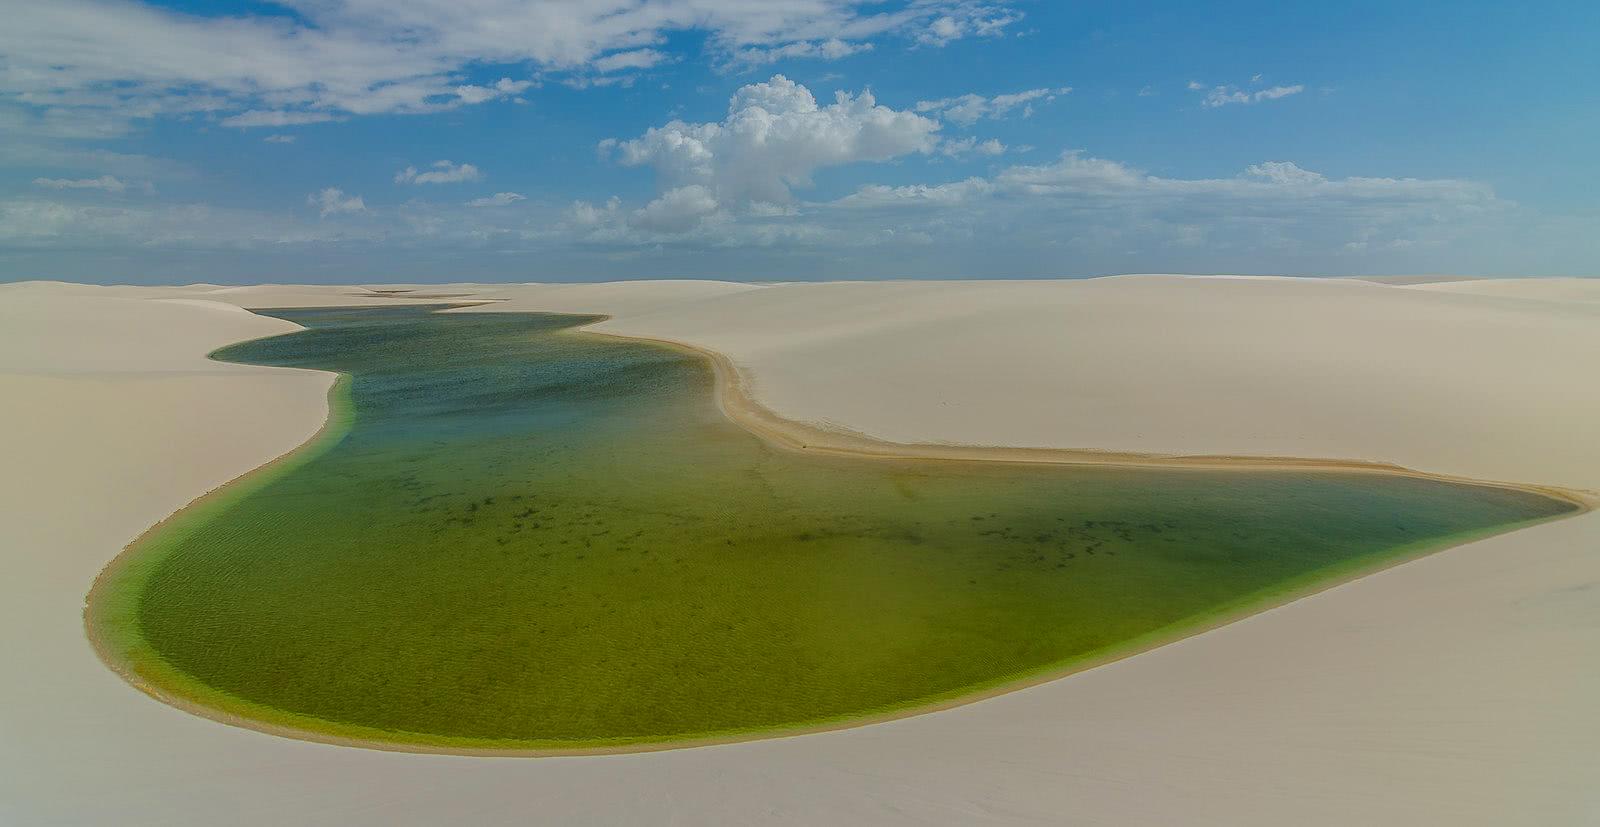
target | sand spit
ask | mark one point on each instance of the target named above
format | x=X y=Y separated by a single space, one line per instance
x=1454 y=689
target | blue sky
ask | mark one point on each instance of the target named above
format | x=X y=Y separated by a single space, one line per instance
x=362 y=140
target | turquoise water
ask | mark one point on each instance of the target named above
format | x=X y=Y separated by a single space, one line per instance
x=525 y=536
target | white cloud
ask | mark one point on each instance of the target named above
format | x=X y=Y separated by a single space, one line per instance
x=1271 y=204
x=128 y=230
x=775 y=136
x=442 y=172
x=831 y=49
x=1092 y=205
x=499 y=199
x=730 y=184
x=967 y=19
x=917 y=195
x=969 y=144
x=1267 y=184
x=42 y=117
x=1070 y=215
x=255 y=118
x=599 y=81
x=332 y=200
x=1225 y=95
x=502 y=88
x=1284 y=172
x=677 y=210
x=970 y=108
x=21 y=152
x=632 y=59
x=588 y=216
x=279 y=139
x=104 y=182
x=126 y=59
x=1278 y=92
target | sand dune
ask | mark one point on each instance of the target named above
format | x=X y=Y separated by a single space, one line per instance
x=1457 y=689
x=1562 y=290
x=1429 y=379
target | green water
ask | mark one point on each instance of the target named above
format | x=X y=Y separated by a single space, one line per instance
x=523 y=536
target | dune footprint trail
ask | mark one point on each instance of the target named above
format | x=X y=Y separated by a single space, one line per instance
x=521 y=537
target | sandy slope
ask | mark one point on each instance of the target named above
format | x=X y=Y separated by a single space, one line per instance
x=1458 y=689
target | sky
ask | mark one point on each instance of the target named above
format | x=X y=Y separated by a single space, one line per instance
x=568 y=140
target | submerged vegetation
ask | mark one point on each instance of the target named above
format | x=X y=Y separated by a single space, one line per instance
x=519 y=536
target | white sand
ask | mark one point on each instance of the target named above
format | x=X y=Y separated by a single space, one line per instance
x=1458 y=689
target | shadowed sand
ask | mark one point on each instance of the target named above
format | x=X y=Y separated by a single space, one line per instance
x=1457 y=688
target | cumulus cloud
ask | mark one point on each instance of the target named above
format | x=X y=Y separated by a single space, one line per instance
x=587 y=216
x=105 y=182
x=499 y=199
x=677 y=210
x=279 y=139
x=970 y=108
x=774 y=137
x=442 y=172
x=332 y=200
x=1285 y=173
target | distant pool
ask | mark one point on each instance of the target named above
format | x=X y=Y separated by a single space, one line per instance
x=517 y=536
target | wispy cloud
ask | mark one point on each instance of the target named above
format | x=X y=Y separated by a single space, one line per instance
x=631 y=59
x=470 y=94
x=499 y=199
x=442 y=172
x=332 y=200
x=338 y=58
x=970 y=108
x=831 y=49
x=1217 y=96
x=257 y=118
x=968 y=145
x=967 y=20
x=105 y=182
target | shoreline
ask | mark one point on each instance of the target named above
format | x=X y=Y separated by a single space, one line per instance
x=742 y=409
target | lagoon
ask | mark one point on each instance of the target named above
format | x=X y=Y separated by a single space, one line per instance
x=519 y=536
